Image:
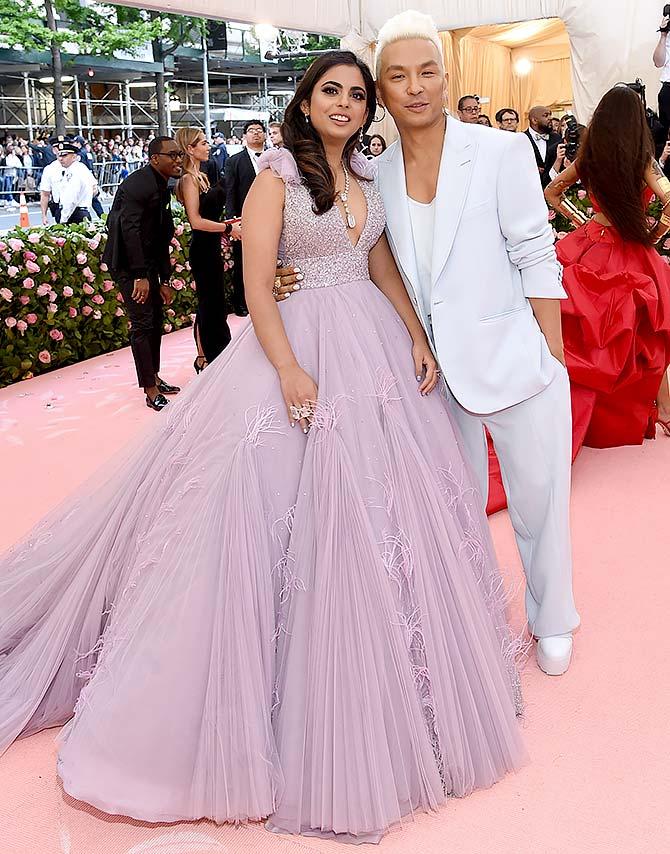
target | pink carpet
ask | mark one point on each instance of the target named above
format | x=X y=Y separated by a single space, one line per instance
x=599 y=737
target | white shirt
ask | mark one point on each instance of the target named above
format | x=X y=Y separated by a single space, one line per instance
x=51 y=178
x=254 y=158
x=76 y=189
x=665 y=74
x=541 y=141
x=422 y=217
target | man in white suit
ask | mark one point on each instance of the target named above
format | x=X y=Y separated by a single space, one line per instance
x=467 y=224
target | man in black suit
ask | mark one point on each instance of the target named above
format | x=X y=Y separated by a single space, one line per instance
x=545 y=143
x=240 y=171
x=140 y=228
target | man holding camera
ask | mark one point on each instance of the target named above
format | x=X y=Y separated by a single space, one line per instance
x=662 y=60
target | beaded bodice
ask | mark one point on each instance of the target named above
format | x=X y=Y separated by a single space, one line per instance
x=319 y=244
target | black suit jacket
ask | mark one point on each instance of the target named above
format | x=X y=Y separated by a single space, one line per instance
x=238 y=176
x=140 y=227
x=544 y=166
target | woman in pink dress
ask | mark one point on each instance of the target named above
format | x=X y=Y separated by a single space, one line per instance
x=258 y=622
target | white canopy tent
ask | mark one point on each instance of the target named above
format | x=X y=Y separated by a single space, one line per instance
x=610 y=41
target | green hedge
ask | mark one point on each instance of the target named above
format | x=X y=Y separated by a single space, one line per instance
x=58 y=304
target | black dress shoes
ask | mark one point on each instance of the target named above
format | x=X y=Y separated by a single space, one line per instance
x=166 y=388
x=159 y=402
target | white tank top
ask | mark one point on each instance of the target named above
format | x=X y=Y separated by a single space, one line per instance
x=422 y=217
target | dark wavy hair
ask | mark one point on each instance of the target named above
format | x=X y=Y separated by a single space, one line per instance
x=615 y=151
x=304 y=142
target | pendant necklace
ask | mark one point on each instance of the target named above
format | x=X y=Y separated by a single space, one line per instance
x=344 y=198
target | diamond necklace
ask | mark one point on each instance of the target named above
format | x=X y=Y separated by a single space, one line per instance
x=344 y=198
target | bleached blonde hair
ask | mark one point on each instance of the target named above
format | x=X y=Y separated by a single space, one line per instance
x=407 y=25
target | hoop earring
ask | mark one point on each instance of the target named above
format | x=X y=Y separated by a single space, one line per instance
x=376 y=120
x=361 y=137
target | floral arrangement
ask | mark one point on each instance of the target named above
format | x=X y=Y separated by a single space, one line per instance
x=58 y=303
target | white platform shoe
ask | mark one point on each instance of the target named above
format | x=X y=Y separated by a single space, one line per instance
x=554 y=654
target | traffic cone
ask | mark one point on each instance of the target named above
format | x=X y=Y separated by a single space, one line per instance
x=24 y=216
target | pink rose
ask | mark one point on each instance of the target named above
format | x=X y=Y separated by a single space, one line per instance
x=45 y=357
x=60 y=241
x=24 y=299
x=167 y=327
x=170 y=312
x=179 y=230
x=3 y=246
x=88 y=273
x=54 y=276
x=104 y=267
x=67 y=291
x=97 y=315
x=174 y=242
x=119 y=296
x=171 y=248
x=7 y=256
x=88 y=289
x=10 y=321
x=12 y=271
x=179 y=268
x=188 y=265
x=98 y=299
x=119 y=312
x=73 y=311
x=56 y=334
x=28 y=283
x=21 y=326
x=589 y=211
x=666 y=243
x=192 y=316
x=177 y=284
x=107 y=285
x=52 y=308
x=93 y=244
x=5 y=293
x=34 y=237
x=31 y=318
x=45 y=259
x=82 y=258
x=29 y=256
x=43 y=289
x=86 y=310
x=15 y=244
x=32 y=267
x=581 y=194
x=173 y=261
x=192 y=286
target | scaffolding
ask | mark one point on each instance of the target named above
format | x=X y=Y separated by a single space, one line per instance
x=129 y=107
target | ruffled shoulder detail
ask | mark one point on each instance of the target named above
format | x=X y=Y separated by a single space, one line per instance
x=365 y=168
x=282 y=163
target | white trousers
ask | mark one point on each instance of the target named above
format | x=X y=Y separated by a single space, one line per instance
x=533 y=442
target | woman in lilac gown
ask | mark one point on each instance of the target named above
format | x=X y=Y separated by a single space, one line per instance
x=245 y=621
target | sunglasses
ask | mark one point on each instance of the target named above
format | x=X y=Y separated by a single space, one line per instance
x=173 y=155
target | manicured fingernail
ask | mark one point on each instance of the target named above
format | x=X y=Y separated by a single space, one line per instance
x=305 y=430
x=296 y=287
x=286 y=296
x=418 y=378
x=296 y=270
x=299 y=277
x=292 y=423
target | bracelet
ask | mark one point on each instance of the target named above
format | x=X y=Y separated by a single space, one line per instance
x=229 y=228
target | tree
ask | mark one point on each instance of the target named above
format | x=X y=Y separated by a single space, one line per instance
x=97 y=30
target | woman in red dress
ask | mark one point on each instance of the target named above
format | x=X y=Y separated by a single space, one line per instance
x=616 y=321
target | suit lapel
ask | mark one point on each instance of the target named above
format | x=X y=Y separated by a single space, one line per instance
x=458 y=156
x=398 y=223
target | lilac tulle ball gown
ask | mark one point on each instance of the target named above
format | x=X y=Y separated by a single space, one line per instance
x=241 y=622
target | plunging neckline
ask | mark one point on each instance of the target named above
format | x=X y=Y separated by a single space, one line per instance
x=344 y=222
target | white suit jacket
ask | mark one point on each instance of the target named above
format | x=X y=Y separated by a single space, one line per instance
x=493 y=248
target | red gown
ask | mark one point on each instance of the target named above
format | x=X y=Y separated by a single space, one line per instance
x=616 y=333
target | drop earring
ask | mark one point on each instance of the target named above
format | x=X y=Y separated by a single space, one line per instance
x=306 y=117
